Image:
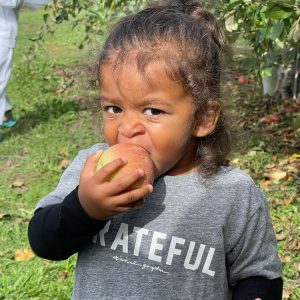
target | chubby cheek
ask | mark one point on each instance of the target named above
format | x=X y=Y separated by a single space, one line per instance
x=110 y=133
x=168 y=151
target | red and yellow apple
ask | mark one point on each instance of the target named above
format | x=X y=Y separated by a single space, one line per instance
x=137 y=158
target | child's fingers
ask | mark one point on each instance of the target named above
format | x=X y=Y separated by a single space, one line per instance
x=121 y=184
x=103 y=173
x=91 y=162
x=135 y=205
x=133 y=198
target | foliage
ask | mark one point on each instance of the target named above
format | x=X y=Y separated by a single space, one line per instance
x=94 y=15
x=271 y=28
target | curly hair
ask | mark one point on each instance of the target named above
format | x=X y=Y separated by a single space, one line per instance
x=188 y=39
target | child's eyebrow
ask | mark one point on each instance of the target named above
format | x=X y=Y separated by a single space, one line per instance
x=141 y=103
x=101 y=98
x=154 y=101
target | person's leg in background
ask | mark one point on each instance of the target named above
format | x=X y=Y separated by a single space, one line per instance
x=6 y=118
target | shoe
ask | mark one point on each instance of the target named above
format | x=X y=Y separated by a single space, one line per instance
x=8 y=124
x=9 y=121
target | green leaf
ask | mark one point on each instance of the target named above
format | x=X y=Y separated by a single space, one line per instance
x=285 y=3
x=296 y=123
x=248 y=63
x=278 y=13
x=294 y=33
x=230 y=23
x=276 y=30
x=266 y=72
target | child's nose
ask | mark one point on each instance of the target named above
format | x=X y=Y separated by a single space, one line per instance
x=131 y=127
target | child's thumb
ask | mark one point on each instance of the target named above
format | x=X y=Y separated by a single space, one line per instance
x=91 y=161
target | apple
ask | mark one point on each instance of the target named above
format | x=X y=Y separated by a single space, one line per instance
x=243 y=79
x=275 y=118
x=289 y=109
x=137 y=158
x=266 y=119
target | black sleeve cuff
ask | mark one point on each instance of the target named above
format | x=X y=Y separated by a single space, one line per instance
x=58 y=231
x=258 y=287
x=74 y=220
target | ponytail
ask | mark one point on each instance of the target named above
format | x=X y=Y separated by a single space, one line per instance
x=194 y=9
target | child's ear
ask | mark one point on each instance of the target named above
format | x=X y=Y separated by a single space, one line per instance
x=207 y=125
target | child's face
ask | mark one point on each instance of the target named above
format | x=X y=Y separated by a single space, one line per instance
x=159 y=116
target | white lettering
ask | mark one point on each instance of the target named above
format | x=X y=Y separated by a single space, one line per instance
x=207 y=263
x=139 y=235
x=173 y=250
x=156 y=246
x=121 y=238
x=102 y=233
x=189 y=254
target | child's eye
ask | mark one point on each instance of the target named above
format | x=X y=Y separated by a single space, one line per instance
x=152 y=111
x=112 y=109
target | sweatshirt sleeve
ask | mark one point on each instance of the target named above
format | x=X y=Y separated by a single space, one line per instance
x=69 y=179
x=60 y=226
x=60 y=230
x=252 y=250
x=11 y=3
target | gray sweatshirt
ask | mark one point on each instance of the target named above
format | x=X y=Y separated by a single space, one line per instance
x=192 y=239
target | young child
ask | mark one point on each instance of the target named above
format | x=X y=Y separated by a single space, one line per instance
x=203 y=230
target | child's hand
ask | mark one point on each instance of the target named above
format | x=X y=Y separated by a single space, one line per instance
x=102 y=199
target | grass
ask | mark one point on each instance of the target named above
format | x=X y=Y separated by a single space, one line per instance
x=56 y=119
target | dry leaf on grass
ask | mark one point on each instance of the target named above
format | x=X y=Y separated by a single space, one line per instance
x=64 y=152
x=4 y=215
x=8 y=163
x=295 y=155
x=286 y=293
x=18 y=183
x=23 y=254
x=282 y=236
x=277 y=175
x=64 y=163
x=285 y=202
x=64 y=274
x=265 y=183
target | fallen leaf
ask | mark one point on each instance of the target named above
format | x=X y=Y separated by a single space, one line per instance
x=235 y=161
x=286 y=293
x=270 y=166
x=277 y=175
x=64 y=152
x=60 y=90
x=293 y=169
x=25 y=151
x=265 y=183
x=64 y=274
x=285 y=202
x=8 y=163
x=23 y=254
x=64 y=163
x=4 y=215
x=284 y=162
x=297 y=266
x=294 y=155
x=18 y=183
x=282 y=236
